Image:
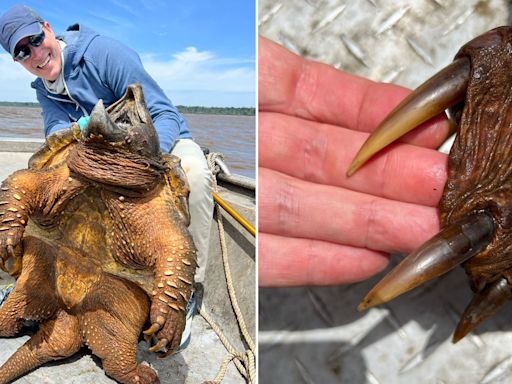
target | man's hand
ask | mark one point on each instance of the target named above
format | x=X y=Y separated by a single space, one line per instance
x=82 y=122
x=317 y=226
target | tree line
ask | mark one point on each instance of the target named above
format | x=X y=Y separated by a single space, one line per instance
x=242 y=111
x=18 y=104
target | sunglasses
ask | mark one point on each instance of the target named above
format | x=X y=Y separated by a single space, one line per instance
x=22 y=52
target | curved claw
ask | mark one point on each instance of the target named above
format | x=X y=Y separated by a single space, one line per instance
x=13 y=263
x=443 y=90
x=165 y=354
x=147 y=338
x=452 y=246
x=484 y=304
x=151 y=330
x=161 y=345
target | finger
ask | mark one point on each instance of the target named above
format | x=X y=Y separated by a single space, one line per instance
x=295 y=208
x=292 y=85
x=321 y=153
x=286 y=262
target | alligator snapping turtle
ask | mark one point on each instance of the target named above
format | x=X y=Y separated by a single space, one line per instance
x=107 y=244
x=476 y=206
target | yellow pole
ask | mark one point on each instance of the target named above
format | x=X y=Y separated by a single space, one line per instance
x=234 y=214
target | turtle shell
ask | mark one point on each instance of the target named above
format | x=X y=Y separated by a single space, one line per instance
x=86 y=224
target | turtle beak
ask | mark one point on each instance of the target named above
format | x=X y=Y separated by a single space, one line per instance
x=131 y=113
x=445 y=89
x=101 y=126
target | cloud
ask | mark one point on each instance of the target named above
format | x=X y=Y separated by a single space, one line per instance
x=202 y=73
x=192 y=55
x=189 y=77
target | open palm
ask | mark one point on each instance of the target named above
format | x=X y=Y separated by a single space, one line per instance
x=316 y=226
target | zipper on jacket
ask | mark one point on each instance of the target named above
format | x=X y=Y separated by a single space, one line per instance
x=70 y=100
x=84 y=112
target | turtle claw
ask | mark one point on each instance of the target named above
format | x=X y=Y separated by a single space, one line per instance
x=166 y=330
x=151 y=330
x=165 y=354
x=163 y=347
x=11 y=252
x=441 y=91
x=160 y=346
x=452 y=246
x=483 y=305
x=148 y=333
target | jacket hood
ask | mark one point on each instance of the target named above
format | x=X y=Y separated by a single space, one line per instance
x=77 y=38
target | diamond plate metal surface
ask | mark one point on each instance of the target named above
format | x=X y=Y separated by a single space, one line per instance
x=316 y=335
x=396 y=41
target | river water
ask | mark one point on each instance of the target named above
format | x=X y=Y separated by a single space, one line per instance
x=234 y=136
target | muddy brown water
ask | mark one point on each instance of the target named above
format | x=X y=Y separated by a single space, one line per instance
x=234 y=136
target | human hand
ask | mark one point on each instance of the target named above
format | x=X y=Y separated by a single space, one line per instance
x=82 y=122
x=316 y=225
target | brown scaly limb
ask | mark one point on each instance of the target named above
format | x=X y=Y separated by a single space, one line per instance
x=20 y=198
x=167 y=251
x=77 y=305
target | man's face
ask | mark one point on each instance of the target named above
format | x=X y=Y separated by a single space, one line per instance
x=45 y=61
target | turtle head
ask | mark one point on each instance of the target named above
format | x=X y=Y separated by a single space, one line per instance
x=126 y=125
x=119 y=147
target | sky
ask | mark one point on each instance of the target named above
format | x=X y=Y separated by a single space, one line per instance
x=200 y=52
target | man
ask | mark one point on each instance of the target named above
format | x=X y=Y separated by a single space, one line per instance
x=77 y=68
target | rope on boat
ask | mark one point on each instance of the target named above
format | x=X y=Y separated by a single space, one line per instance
x=212 y=158
x=216 y=164
x=244 y=361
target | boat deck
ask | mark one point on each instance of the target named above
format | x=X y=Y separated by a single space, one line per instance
x=199 y=362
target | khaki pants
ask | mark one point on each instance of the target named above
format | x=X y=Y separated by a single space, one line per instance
x=200 y=200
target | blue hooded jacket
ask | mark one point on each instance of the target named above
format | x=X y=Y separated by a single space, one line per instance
x=98 y=67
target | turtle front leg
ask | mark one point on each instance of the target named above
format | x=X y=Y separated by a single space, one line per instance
x=173 y=286
x=14 y=209
x=56 y=339
x=150 y=233
x=21 y=197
